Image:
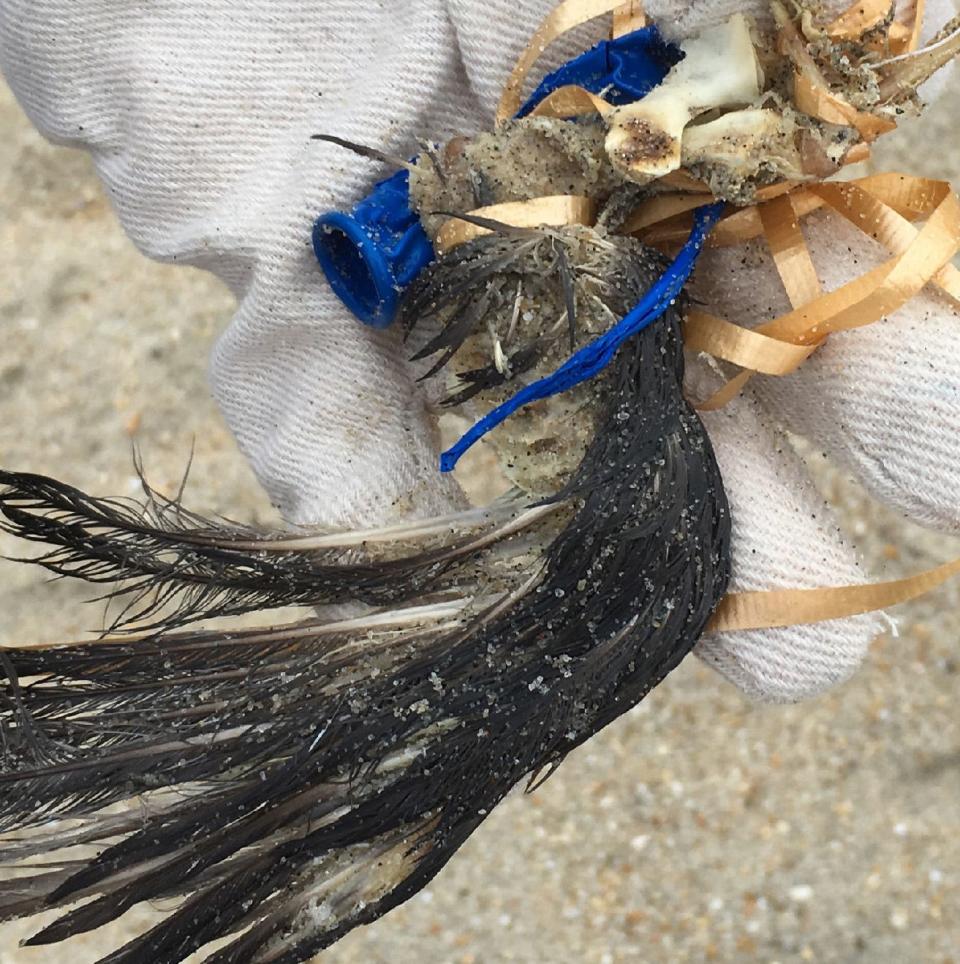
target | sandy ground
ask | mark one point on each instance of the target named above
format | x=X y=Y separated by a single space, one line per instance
x=698 y=827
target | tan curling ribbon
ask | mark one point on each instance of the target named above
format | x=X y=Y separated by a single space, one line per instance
x=883 y=206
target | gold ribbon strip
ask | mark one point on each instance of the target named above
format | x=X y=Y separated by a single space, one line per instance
x=865 y=15
x=571 y=101
x=911 y=197
x=752 y=350
x=916 y=26
x=790 y=252
x=628 y=18
x=774 y=608
x=856 y=20
x=737 y=227
x=554 y=210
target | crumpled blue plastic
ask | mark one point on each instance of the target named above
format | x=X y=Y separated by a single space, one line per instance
x=623 y=70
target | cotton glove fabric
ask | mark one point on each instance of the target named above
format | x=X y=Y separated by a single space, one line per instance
x=198 y=116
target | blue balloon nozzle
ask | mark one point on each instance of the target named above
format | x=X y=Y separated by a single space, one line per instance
x=371 y=254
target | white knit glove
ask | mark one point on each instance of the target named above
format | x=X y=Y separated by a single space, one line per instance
x=198 y=115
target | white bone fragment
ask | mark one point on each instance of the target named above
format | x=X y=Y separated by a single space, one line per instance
x=720 y=69
x=737 y=139
x=736 y=147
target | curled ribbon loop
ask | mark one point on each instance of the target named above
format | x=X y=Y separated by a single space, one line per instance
x=882 y=206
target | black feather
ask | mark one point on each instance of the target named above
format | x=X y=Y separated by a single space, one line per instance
x=363 y=151
x=569 y=294
x=182 y=568
x=483 y=379
x=302 y=780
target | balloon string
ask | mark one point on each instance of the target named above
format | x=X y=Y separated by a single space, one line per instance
x=593 y=358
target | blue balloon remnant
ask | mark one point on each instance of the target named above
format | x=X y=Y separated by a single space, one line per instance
x=371 y=254
x=623 y=70
x=593 y=358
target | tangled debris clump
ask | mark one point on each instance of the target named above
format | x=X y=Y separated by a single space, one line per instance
x=306 y=778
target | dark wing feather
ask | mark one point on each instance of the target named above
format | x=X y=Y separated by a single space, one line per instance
x=176 y=571
x=305 y=779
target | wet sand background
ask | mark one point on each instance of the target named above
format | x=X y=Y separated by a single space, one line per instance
x=698 y=827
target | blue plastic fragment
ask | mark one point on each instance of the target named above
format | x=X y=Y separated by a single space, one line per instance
x=593 y=358
x=371 y=254
x=623 y=70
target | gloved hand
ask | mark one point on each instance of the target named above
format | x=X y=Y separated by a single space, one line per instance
x=198 y=117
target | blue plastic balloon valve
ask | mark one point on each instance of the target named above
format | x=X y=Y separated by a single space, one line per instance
x=371 y=254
